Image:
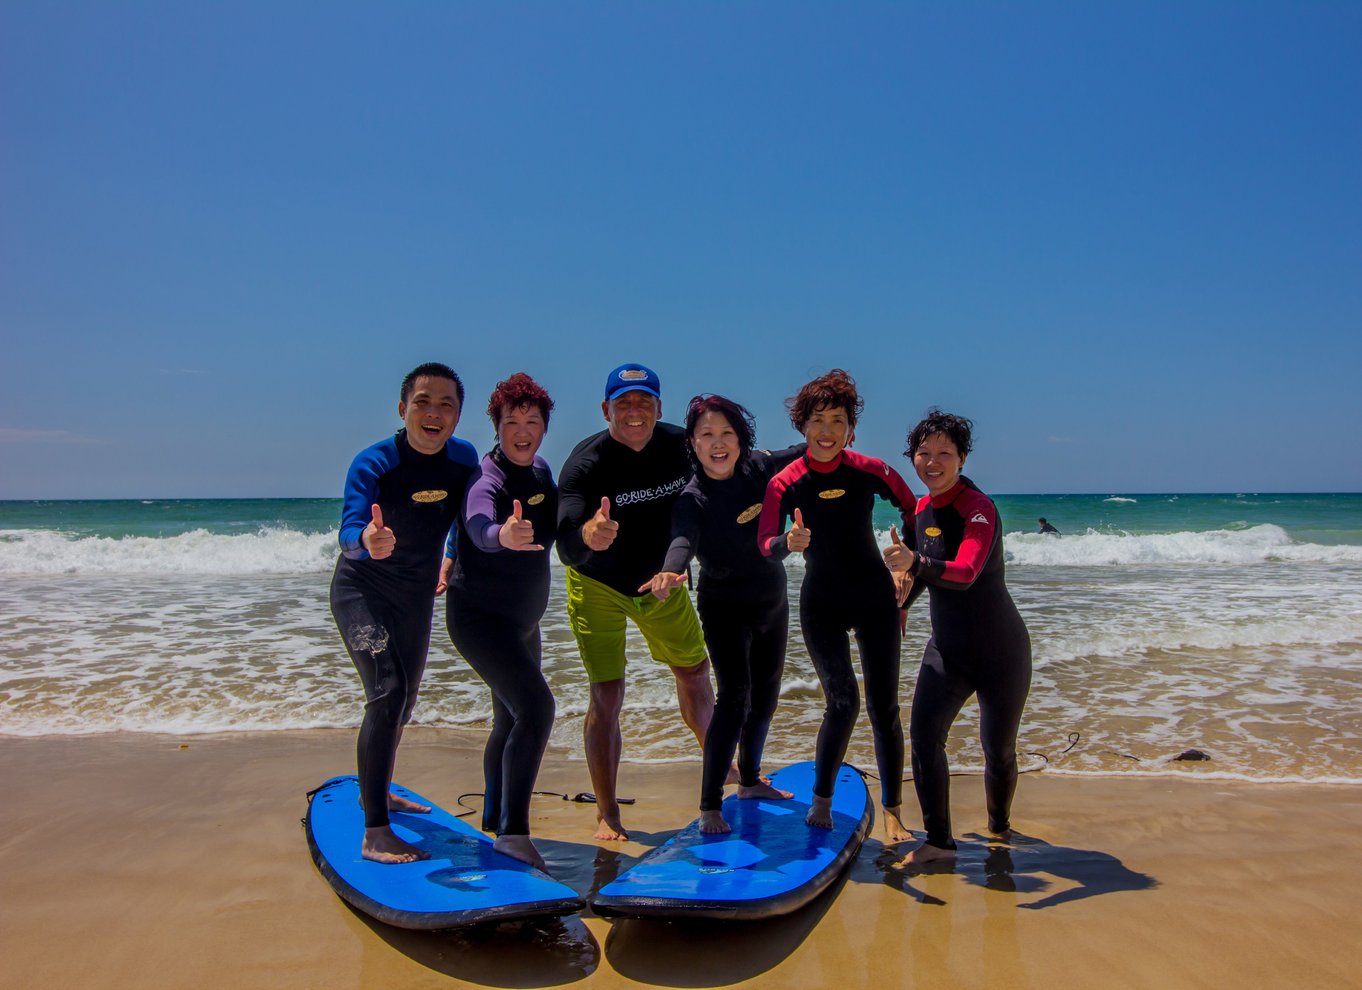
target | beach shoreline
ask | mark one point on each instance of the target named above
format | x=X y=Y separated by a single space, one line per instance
x=151 y=861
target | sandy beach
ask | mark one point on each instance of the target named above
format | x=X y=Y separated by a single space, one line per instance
x=160 y=861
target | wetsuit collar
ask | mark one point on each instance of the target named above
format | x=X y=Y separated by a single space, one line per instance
x=824 y=467
x=949 y=496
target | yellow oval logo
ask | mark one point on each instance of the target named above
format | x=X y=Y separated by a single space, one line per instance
x=433 y=496
x=749 y=513
x=832 y=493
x=535 y=499
x=932 y=531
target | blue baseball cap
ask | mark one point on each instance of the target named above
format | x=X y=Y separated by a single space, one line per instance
x=632 y=378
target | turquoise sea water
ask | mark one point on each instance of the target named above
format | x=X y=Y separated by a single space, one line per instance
x=1231 y=623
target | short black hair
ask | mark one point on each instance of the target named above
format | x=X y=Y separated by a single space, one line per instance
x=738 y=418
x=957 y=429
x=432 y=369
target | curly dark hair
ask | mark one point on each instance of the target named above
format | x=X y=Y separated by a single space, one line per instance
x=958 y=429
x=739 y=418
x=835 y=390
x=432 y=369
x=518 y=390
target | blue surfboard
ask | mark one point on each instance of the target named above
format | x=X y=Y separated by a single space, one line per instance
x=464 y=882
x=770 y=864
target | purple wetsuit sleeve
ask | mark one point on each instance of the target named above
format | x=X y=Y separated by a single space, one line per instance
x=480 y=507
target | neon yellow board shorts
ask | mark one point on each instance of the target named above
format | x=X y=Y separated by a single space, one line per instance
x=599 y=615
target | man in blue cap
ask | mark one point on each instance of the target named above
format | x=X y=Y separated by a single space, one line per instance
x=615 y=497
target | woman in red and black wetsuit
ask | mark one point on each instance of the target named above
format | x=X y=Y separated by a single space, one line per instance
x=830 y=493
x=979 y=643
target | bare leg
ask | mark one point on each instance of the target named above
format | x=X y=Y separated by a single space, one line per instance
x=695 y=698
x=520 y=847
x=601 y=733
x=382 y=846
x=712 y=823
x=820 y=812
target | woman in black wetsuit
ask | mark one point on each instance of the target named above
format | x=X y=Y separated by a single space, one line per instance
x=979 y=643
x=498 y=589
x=741 y=597
x=830 y=493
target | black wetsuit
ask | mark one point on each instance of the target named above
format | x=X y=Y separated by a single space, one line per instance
x=642 y=486
x=383 y=607
x=495 y=601
x=846 y=588
x=743 y=608
x=979 y=644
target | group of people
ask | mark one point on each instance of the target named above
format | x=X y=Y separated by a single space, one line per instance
x=633 y=506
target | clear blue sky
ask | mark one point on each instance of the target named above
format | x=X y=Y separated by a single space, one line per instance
x=1125 y=238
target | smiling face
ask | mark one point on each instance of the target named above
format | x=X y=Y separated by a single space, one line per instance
x=520 y=433
x=828 y=431
x=430 y=413
x=716 y=444
x=938 y=463
x=631 y=417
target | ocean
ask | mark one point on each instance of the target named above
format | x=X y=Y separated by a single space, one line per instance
x=1229 y=624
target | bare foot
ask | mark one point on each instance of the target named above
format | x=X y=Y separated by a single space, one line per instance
x=764 y=790
x=398 y=803
x=520 y=847
x=925 y=855
x=893 y=826
x=712 y=823
x=734 y=777
x=820 y=813
x=609 y=828
x=382 y=846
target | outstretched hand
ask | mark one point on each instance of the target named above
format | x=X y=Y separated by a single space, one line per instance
x=378 y=539
x=517 y=532
x=800 y=536
x=600 y=530
x=441 y=585
x=662 y=583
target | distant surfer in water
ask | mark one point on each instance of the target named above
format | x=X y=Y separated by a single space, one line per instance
x=741 y=596
x=830 y=494
x=1045 y=527
x=615 y=498
x=979 y=643
x=402 y=495
x=498 y=588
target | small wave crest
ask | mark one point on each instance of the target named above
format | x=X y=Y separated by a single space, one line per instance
x=268 y=551
x=1253 y=545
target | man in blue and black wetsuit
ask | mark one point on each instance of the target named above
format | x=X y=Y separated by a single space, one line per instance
x=402 y=495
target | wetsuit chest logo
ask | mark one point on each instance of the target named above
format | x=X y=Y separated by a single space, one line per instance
x=749 y=513
x=832 y=493
x=535 y=499
x=932 y=531
x=430 y=496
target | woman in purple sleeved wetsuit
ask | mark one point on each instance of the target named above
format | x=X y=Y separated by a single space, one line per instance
x=979 y=643
x=741 y=596
x=498 y=589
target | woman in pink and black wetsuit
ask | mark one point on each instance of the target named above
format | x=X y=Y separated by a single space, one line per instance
x=830 y=493
x=979 y=643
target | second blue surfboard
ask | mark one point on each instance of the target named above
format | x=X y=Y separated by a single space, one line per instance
x=770 y=864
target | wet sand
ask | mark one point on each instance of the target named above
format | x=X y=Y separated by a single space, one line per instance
x=159 y=861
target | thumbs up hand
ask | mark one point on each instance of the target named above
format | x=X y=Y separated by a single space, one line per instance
x=517 y=533
x=378 y=539
x=897 y=556
x=600 y=530
x=799 y=537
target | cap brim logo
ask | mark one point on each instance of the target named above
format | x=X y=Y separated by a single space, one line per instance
x=633 y=375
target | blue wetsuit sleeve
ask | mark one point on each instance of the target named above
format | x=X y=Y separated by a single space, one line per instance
x=361 y=493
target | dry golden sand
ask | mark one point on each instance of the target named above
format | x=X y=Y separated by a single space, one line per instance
x=129 y=861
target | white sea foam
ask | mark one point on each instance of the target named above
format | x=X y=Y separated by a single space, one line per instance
x=1119 y=498
x=269 y=551
x=1252 y=545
